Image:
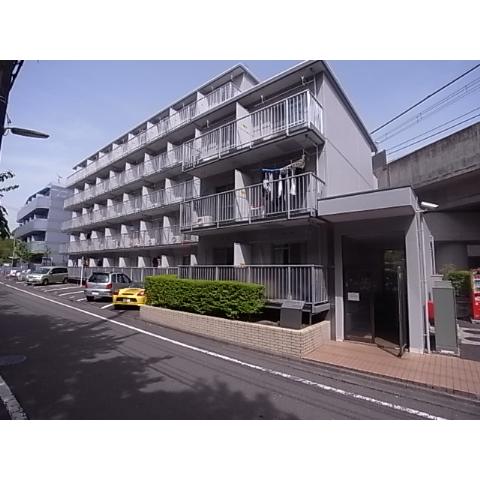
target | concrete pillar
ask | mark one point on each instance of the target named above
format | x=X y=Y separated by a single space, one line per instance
x=167 y=261
x=339 y=307
x=70 y=263
x=108 y=262
x=92 y=262
x=242 y=254
x=193 y=259
x=415 y=286
x=144 y=261
x=244 y=125
x=124 y=262
x=451 y=253
x=242 y=206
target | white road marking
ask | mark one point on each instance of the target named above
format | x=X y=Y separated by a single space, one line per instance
x=70 y=293
x=270 y=371
x=81 y=299
x=59 y=289
x=11 y=404
x=106 y=306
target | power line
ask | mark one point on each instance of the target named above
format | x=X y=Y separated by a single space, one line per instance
x=450 y=99
x=433 y=129
x=433 y=135
x=425 y=99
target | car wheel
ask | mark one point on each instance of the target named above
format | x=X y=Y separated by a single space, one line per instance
x=65 y=280
x=45 y=282
x=89 y=299
x=116 y=307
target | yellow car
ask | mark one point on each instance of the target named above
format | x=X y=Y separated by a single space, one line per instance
x=131 y=296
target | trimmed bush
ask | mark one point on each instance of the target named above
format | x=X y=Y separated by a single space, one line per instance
x=460 y=281
x=208 y=297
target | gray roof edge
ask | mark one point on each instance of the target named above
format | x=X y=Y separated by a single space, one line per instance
x=349 y=105
x=183 y=97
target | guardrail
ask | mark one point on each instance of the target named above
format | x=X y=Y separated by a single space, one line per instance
x=159 y=130
x=282 y=197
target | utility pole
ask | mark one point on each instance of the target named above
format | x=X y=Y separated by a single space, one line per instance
x=8 y=72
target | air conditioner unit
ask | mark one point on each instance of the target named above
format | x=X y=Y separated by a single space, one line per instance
x=205 y=221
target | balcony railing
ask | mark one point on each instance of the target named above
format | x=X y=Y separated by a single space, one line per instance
x=148 y=238
x=283 y=117
x=37 y=202
x=307 y=283
x=34 y=225
x=282 y=282
x=160 y=198
x=281 y=198
x=159 y=130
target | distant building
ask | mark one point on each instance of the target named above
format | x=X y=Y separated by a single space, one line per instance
x=445 y=172
x=40 y=222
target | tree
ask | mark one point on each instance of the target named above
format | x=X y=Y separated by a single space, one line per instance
x=4 y=230
x=22 y=251
x=6 y=249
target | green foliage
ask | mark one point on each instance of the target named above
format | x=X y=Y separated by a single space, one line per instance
x=209 y=297
x=460 y=281
x=4 y=230
x=6 y=249
x=22 y=251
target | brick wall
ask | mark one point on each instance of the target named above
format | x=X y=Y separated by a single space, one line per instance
x=282 y=341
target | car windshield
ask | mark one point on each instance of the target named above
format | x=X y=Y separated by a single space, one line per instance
x=42 y=271
x=136 y=285
x=99 y=278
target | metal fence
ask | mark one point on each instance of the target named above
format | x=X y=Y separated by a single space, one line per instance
x=136 y=274
x=282 y=282
x=282 y=197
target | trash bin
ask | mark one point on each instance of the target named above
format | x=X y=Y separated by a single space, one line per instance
x=291 y=314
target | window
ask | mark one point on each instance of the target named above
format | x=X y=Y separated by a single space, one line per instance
x=98 y=278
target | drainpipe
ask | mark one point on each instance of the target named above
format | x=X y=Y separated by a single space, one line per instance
x=425 y=280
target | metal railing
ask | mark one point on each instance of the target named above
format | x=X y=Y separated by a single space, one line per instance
x=136 y=274
x=282 y=282
x=278 y=198
x=307 y=283
x=159 y=130
x=137 y=239
x=296 y=111
x=40 y=201
x=33 y=225
x=167 y=196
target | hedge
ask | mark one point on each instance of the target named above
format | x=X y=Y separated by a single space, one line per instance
x=460 y=281
x=209 y=297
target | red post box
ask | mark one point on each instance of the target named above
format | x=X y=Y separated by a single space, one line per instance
x=475 y=293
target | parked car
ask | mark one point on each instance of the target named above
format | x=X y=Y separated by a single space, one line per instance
x=12 y=273
x=48 y=275
x=134 y=295
x=102 y=285
x=22 y=274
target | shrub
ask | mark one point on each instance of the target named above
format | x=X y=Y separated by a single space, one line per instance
x=209 y=297
x=460 y=280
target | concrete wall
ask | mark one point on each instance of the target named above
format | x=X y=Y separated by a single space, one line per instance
x=452 y=156
x=281 y=341
x=347 y=154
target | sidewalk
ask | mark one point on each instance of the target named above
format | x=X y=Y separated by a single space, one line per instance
x=453 y=374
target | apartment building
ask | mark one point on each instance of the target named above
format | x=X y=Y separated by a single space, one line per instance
x=40 y=221
x=268 y=182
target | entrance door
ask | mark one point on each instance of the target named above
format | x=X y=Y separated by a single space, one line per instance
x=375 y=303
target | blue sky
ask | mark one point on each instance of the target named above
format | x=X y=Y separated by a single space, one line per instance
x=83 y=105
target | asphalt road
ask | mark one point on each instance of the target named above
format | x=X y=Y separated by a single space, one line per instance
x=78 y=364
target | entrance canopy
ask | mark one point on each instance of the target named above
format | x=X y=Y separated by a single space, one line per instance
x=368 y=205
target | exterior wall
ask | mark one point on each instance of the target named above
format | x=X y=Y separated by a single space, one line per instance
x=347 y=153
x=281 y=341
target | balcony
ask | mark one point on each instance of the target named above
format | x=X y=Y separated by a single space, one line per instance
x=149 y=238
x=34 y=204
x=284 y=119
x=37 y=246
x=136 y=208
x=34 y=225
x=280 y=199
x=157 y=131
x=146 y=170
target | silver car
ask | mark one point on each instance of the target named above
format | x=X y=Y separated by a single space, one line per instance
x=47 y=275
x=102 y=285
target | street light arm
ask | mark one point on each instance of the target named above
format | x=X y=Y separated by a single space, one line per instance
x=25 y=132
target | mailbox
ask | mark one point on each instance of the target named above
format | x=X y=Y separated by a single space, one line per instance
x=291 y=314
